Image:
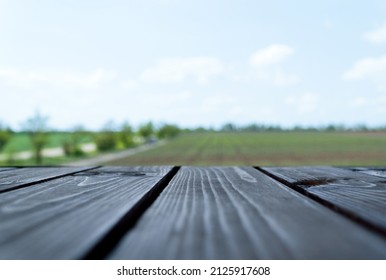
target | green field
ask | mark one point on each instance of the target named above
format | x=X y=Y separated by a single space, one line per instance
x=268 y=149
x=21 y=141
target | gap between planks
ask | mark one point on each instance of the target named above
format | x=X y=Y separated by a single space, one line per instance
x=65 y=218
x=329 y=204
x=18 y=182
x=109 y=241
x=128 y=221
x=241 y=213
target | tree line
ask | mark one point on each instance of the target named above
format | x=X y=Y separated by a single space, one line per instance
x=110 y=137
x=230 y=127
x=113 y=136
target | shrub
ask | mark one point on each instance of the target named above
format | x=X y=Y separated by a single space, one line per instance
x=168 y=131
x=5 y=135
x=126 y=135
x=146 y=130
x=106 y=141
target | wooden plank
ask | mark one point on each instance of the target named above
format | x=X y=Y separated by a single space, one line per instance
x=360 y=195
x=240 y=213
x=15 y=178
x=65 y=218
x=379 y=172
x=6 y=168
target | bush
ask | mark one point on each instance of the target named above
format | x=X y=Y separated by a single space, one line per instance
x=126 y=136
x=36 y=126
x=168 y=131
x=72 y=144
x=71 y=149
x=106 y=141
x=5 y=135
x=146 y=130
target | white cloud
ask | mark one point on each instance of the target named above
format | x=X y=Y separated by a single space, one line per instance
x=304 y=103
x=176 y=70
x=372 y=69
x=58 y=78
x=376 y=36
x=267 y=64
x=367 y=68
x=271 y=55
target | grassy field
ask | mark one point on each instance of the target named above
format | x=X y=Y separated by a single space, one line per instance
x=268 y=149
x=21 y=141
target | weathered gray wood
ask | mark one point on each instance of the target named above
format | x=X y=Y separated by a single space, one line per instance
x=14 y=178
x=6 y=168
x=240 y=213
x=65 y=217
x=358 y=194
x=379 y=172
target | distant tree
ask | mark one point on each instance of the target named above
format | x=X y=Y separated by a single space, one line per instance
x=274 y=128
x=168 y=131
x=126 y=135
x=36 y=127
x=297 y=128
x=361 y=127
x=200 y=129
x=255 y=128
x=229 y=127
x=106 y=139
x=71 y=145
x=5 y=135
x=146 y=130
x=313 y=129
x=335 y=127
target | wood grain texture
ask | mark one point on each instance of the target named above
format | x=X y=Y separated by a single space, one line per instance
x=240 y=213
x=6 y=168
x=379 y=172
x=65 y=217
x=14 y=178
x=361 y=195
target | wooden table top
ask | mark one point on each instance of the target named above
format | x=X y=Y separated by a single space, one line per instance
x=166 y=212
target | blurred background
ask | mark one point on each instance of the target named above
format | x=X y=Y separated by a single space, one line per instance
x=212 y=82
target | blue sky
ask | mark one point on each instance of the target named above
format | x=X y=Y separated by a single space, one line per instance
x=193 y=62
